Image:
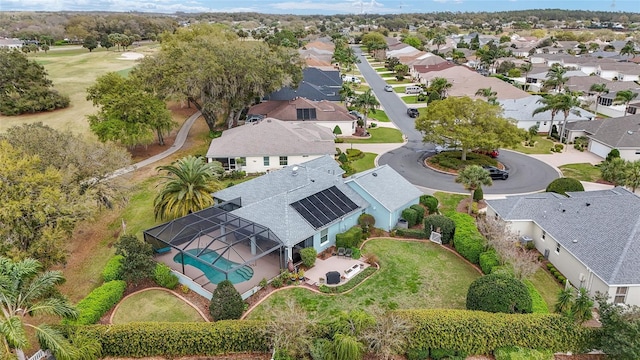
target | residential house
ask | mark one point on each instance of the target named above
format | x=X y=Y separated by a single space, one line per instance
x=317 y=84
x=418 y=72
x=521 y=110
x=622 y=133
x=619 y=71
x=466 y=82
x=606 y=102
x=317 y=54
x=270 y=144
x=11 y=43
x=535 y=81
x=585 y=236
x=323 y=113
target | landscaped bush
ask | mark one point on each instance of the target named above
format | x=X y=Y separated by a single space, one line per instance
x=412 y=233
x=499 y=293
x=343 y=158
x=488 y=260
x=226 y=302
x=430 y=202
x=453 y=160
x=337 y=130
x=478 y=194
x=366 y=222
x=538 y=305
x=113 y=269
x=613 y=154
x=351 y=238
x=141 y=340
x=419 y=212
x=467 y=240
x=354 y=154
x=356 y=253
x=357 y=279
x=564 y=185
x=164 y=277
x=411 y=216
x=518 y=353
x=476 y=332
x=446 y=225
x=308 y=256
x=98 y=302
x=438 y=354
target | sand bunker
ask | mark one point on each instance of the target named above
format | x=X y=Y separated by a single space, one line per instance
x=130 y=56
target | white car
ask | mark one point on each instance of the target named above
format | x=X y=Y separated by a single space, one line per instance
x=388 y=88
x=446 y=147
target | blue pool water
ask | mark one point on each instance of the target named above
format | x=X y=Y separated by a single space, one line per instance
x=239 y=275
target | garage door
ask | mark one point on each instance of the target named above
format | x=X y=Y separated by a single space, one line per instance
x=599 y=149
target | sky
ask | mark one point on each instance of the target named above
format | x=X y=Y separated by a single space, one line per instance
x=325 y=7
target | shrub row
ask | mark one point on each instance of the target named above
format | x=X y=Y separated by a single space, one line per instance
x=518 y=353
x=430 y=202
x=98 y=302
x=446 y=225
x=177 y=339
x=453 y=160
x=557 y=274
x=412 y=233
x=475 y=332
x=488 y=261
x=538 y=304
x=164 y=277
x=113 y=269
x=419 y=212
x=467 y=240
x=411 y=216
x=354 y=154
x=351 y=238
x=357 y=279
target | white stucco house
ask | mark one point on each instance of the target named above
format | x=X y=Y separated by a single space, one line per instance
x=521 y=110
x=592 y=237
x=270 y=144
x=622 y=133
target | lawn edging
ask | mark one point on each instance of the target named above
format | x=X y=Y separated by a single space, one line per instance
x=115 y=309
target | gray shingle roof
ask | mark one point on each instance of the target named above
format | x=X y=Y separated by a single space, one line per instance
x=266 y=200
x=522 y=109
x=316 y=85
x=388 y=187
x=271 y=137
x=605 y=225
x=620 y=132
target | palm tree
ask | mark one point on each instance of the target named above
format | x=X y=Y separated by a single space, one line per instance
x=564 y=301
x=473 y=177
x=628 y=49
x=624 y=97
x=26 y=291
x=549 y=103
x=440 y=85
x=347 y=93
x=598 y=89
x=489 y=94
x=581 y=309
x=632 y=178
x=438 y=40
x=526 y=68
x=556 y=78
x=366 y=102
x=567 y=103
x=187 y=187
x=614 y=171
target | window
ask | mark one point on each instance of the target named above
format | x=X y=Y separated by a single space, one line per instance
x=621 y=295
x=324 y=236
x=306 y=114
x=284 y=161
x=265 y=161
x=557 y=248
x=544 y=235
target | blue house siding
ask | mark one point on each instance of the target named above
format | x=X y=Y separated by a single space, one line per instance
x=398 y=213
x=334 y=229
x=383 y=217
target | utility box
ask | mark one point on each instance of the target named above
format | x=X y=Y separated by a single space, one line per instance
x=402 y=224
x=526 y=240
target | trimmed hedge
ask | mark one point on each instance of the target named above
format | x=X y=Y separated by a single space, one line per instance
x=430 y=202
x=113 y=269
x=446 y=225
x=499 y=293
x=411 y=216
x=412 y=233
x=467 y=240
x=564 y=185
x=351 y=238
x=539 y=306
x=488 y=260
x=419 y=211
x=477 y=332
x=98 y=302
x=357 y=279
x=178 y=339
x=518 y=353
x=163 y=276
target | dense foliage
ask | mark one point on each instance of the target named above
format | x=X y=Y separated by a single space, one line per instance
x=538 y=305
x=453 y=160
x=498 y=292
x=163 y=276
x=467 y=240
x=564 y=185
x=351 y=238
x=620 y=330
x=308 y=256
x=488 y=260
x=226 y=302
x=446 y=225
x=419 y=212
x=411 y=216
x=137 y=262
x=25 y=87
x=113 y=269
x=430 y=202
x=98 y=302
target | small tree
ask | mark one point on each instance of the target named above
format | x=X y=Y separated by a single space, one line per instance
x=308 y=256
x=613 y=154
x=137 y=262
x=472 y=177
x=620 y=331
x=226 y=302
x=366 y=222
x=499 y=293
x=90 y=43
x=614 y=171
x=337 y=130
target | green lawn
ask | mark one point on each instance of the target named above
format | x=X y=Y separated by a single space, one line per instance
x=542 y=146
x=412 y=99
x=379 y=115
x=366 y=163
x=394 y=82
x=155 y=306
x=412 y=275
x=125 y=72
x=448 y=202
x=547 y=286
x=400 y=89
x=379 y=136
x=582 y=172
x=382 y=70
x=362 y=87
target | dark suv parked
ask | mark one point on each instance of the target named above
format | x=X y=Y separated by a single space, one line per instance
x=496 y=173
x=412 y=112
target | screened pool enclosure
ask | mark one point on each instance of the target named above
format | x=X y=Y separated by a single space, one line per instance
x=212 y=245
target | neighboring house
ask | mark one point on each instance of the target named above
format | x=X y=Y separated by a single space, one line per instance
x=586 y=236
x=387 y=192
x=622 y=133
x=620 y=71
x=317 y=53
x=521 y=110
x=418 y=72
x=317 y=84
x=323 y=113
x=270 y=144
x=466 y=82
x=606 y=102
x=11 y=43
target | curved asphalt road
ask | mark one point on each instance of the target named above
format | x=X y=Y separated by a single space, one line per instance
x=526 y=174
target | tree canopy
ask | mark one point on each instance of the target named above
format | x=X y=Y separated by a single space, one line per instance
x=461 y=120
x=25 y=87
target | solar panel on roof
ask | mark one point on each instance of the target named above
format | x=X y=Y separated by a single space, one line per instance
x=324 y=207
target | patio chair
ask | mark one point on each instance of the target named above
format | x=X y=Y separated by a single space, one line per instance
x=348 y=252
x=341 y=251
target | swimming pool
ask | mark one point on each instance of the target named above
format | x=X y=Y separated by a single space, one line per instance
x=239 y=275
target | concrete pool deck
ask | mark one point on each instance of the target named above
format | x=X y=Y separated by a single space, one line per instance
x=334 y=263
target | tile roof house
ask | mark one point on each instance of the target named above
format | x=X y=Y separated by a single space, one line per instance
x=622 y=133
x=317 y=84
x=323 y=113
x=466 y=82
x=586 y=236
x=270 y=144
x=521 y=110
x=621 y=71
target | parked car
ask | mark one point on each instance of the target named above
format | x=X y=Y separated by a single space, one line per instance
x=357 y=114
x=445 y=147
x=496 y=173
x=413 y=112
x=388 y=88
x=254 y=118
x=351 y=78
x=492 y=153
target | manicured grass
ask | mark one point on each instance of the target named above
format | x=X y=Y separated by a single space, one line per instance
x=125 y=72
x=448 y=202
x=379 y=136
x=155 y=306
x=361 y=87
x=400 y=89
x=382 y=70
x=412 y=99
x=412 y=275
x=582 y=172
x=405 y=81
x=547 y=286
x=379 y=115
x=542 y=146
x=366 y=163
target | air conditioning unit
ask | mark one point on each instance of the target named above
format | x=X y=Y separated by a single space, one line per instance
x=581 y=277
